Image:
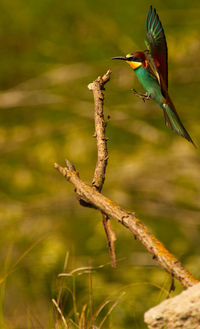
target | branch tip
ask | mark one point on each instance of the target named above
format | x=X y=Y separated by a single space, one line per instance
x=106 y=76
x=101 y=80
x=70 y=166
x=62 y=170
x=91 y=86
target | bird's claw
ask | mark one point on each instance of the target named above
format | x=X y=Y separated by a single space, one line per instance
x=145 y=97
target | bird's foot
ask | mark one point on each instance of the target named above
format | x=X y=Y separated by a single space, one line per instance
x=145 y=97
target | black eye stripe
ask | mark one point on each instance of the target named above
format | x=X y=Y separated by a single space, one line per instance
x=134 y=59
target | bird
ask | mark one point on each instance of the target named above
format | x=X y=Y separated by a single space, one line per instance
x=151 y=68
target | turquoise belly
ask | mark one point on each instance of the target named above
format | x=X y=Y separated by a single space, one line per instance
x=150 y=84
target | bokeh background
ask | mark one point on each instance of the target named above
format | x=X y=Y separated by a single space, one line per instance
x=50 y=51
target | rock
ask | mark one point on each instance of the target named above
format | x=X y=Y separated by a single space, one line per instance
x=182 y=311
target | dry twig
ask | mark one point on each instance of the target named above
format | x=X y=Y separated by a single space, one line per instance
x=97 y=88
x=91 y=196
x=110 y=235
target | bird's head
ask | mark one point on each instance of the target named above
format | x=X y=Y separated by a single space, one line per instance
x=135 y=60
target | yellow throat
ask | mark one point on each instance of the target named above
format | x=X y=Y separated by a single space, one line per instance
x=134 y=65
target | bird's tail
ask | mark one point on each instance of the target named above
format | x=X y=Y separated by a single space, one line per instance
x=173 y=121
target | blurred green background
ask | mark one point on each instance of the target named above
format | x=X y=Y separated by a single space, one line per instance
x=50 y=52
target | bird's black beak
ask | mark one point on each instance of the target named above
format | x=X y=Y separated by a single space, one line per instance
x=123 y=58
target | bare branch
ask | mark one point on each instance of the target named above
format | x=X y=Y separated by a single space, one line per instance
x=90 y=196
x=131 y=222
x=97 y=86
x=110 y=234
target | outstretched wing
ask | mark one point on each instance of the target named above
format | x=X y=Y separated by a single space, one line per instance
x=156 y=43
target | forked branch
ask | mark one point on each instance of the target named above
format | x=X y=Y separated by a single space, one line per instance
x=91 y=196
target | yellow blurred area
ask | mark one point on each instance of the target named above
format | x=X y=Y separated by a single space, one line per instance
x=50 y=52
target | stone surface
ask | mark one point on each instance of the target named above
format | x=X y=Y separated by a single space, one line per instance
x=182 y=311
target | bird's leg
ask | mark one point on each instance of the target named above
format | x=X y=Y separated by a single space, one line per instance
x=145 y=97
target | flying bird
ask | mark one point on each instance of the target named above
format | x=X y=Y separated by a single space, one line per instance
x=151 y=68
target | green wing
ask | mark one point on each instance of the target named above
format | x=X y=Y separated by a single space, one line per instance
x=156 y=43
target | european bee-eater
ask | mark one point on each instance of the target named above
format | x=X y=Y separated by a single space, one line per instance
x=151 y=68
